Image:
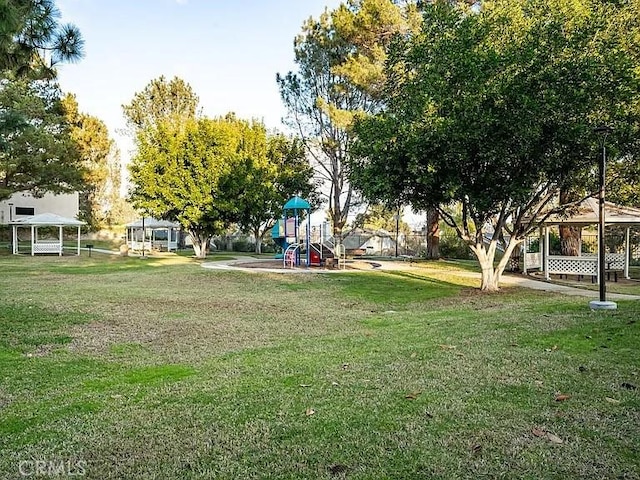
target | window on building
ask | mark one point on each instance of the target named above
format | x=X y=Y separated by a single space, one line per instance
x=25 y=211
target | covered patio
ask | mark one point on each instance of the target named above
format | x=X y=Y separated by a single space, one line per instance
x=151 y=234
x=39 y=244
x=585 y=214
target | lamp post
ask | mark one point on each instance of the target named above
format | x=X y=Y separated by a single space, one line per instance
x=396 y=217
x=602 y=304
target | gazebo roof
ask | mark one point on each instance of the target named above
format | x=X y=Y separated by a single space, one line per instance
x=48 y=219
x=150 y=222
x=587 y=213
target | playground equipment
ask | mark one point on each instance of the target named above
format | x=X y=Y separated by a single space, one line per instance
x=296 y=239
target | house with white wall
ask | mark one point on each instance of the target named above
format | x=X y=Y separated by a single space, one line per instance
x=23 y=204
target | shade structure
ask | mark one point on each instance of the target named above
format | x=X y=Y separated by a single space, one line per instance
x=150 y=233
x=297 y=203
x=584 y=214
x=42 y=246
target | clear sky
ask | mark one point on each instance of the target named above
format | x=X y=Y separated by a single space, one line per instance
x=229 y=51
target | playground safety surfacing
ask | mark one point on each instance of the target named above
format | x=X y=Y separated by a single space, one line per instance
x=277 y=266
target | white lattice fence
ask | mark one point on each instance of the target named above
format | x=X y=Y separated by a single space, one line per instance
x=44 y=246
x=573 y=265
x=613 y=261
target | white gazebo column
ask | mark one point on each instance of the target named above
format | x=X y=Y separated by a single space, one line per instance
x=34 y=232
x=627 y=252
x=546 y=253
x=14 y=244
x=541 y=248
x=78 y=240
x=60 y=237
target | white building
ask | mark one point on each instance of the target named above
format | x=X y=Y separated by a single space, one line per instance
x=23 y=204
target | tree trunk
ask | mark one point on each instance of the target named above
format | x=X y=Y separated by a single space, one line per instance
x=433 y=234
x=570 y=237
x=258 y=241
x=570 y=240
x=486 y=254
x=200 y=244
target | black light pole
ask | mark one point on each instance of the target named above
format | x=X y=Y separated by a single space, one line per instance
x=397 y=219
x=602 y=131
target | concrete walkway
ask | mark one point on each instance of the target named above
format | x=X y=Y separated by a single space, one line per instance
x=522 y=281
x=507 y=280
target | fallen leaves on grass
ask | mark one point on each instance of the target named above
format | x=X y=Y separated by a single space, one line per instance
x=309 y=412
x=412 y=395
x=554 y=438
x=538 y=432
x=447 y=347
x=561 y=397
x=542 y=433
x=612 y=400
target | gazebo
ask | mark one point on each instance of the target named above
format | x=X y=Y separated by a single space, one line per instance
x=585 y=214
x=149 y=233
x=40 y=245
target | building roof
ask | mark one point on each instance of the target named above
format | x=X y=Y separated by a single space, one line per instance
x=47 y=219
x=587 y=213
x=150 y=222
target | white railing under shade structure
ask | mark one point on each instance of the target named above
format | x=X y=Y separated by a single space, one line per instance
x=532 y=260
x=613 y=261
x=586 y=264
x=566 y=265
x=47 y=246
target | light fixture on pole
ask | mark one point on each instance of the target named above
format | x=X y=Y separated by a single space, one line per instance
x=602 y=304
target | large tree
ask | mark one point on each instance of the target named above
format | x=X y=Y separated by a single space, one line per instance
x=200 y=173
x=100 y=159
x=494 y=109
x=339 y=57
x=273 y=177
x=37 y=153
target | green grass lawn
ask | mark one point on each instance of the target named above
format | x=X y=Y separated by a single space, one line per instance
x=122 y=368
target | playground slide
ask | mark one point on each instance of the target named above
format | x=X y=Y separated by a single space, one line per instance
x=281 y=242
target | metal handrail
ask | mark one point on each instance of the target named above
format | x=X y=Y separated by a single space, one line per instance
x=290 y=254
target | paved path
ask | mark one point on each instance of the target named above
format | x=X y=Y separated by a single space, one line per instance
x=522 y=281
x=512 y=280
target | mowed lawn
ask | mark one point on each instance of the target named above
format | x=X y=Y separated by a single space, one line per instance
x=123 y=368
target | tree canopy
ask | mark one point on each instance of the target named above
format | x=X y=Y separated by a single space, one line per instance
x=33 y=41
x=340 y=59
x=161 y=100
x=273 y=175
x=37 y=153
x=209 y=174
x=99 y=159
x=495 y=109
